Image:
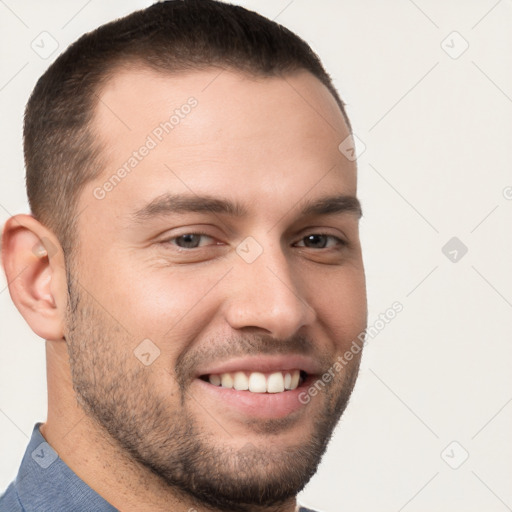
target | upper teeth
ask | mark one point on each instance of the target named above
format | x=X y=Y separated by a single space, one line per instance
x=257 y=382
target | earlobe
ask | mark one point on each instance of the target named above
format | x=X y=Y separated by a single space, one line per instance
x=34 y=266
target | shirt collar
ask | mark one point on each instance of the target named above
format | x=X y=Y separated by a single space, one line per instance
x=45 y=482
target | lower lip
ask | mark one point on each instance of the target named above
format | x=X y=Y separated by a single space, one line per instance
x=257 y=405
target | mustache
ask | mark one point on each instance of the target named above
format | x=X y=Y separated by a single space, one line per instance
x=223 y=348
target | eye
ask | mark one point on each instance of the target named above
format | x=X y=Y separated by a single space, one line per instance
x=187 y=240
x=320 y=241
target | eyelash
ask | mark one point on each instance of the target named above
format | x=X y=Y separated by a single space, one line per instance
x=168 y=241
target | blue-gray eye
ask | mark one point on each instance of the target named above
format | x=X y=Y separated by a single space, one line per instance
x=189 y=240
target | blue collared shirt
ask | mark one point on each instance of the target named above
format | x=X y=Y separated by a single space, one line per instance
x=46 y=484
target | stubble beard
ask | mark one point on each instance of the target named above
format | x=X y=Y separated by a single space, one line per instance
x=115 y=390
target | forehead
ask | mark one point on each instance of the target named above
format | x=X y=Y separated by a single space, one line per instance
x=137 y=98
x=217 y=132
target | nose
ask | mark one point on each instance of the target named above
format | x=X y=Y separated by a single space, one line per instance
x=267 y=294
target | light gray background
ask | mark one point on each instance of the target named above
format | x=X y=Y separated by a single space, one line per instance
x=437 y=165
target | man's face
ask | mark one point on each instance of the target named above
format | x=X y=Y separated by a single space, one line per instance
x=168 y=298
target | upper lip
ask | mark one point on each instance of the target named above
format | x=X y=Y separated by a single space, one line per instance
x=264 y=364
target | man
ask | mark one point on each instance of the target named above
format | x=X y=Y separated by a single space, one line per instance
x=193 y=262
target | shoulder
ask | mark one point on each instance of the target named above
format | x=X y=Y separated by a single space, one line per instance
x=9 y=500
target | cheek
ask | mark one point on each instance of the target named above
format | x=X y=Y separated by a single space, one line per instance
x=167 y=305
x=340 y=304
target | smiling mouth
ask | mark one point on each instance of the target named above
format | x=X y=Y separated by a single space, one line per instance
x=258 y=382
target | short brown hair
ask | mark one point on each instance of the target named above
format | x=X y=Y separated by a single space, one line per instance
x=61 y=153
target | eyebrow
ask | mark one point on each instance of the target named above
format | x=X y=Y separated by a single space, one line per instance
x=168 y=204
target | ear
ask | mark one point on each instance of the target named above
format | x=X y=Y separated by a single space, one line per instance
x=33 y=262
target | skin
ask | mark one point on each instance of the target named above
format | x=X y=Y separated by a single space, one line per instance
x=269 y=143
